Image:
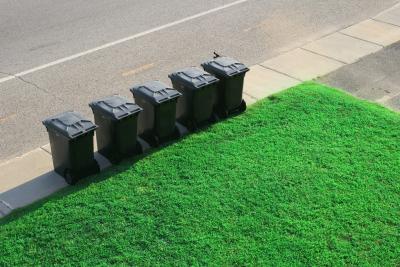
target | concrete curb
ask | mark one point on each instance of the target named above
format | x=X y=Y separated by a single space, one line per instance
x=30 y=177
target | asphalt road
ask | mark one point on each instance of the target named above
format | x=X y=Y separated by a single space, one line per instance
x=34 y=33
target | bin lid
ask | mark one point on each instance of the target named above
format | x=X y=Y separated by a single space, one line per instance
x=115 y=107
x=224 y=66
x=70 y=124
x=155 y=92
x=193 y=77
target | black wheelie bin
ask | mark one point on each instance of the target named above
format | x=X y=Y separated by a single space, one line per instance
x=71 y=141
x=199 y=88
x=231 y=74
x=116 y=118
x=157 y=122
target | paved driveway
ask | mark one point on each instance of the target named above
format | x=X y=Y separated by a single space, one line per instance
x=375 y=77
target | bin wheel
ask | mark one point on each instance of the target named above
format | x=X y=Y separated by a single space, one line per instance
x=97 y=167
x=68 y=177
x=138 y=148
x=191 y=125
x=177 y=133
x=214 y=118
x=224 y=114
x=194 y=126
x=242 y=106
x=156 y=140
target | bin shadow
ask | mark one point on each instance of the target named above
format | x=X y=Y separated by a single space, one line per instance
x=25 y=198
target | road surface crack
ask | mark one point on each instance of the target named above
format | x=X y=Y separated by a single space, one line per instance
x=33 y=84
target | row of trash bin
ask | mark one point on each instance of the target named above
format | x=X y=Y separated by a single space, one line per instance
x=198 y=97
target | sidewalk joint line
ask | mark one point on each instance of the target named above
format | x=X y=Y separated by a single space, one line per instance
x=249 y=95
x=388 y=9
x=361 y=39
x=385 y=22
x=6 y=204
x=280 y=72
x=386 y=98
x=45 y=150
x=325 y=56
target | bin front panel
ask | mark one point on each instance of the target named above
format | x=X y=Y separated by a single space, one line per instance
x=233 y=95
x=59 y=151
x=105 y=134
x=203 y=103
x=165 y=119
x=126 y=134
x=81 y=153
x=146 y=118
x=196 y=105
x=184 y=103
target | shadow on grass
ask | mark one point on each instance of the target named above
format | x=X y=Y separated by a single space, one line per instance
x=80 y=185
x=61 y=189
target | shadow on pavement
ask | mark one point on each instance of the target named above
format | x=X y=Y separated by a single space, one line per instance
x=50 y=186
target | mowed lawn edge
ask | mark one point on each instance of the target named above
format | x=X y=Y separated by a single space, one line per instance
x=308 y=176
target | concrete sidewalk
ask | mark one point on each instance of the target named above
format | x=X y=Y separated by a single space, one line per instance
x=29 y=178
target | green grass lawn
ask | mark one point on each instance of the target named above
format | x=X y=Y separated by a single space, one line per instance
x=310 y=176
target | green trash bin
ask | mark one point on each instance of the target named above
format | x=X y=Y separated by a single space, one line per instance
x=157 y=122
x=71 y=141
x=231 y=74
x=199 y=89
x=116 y=118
